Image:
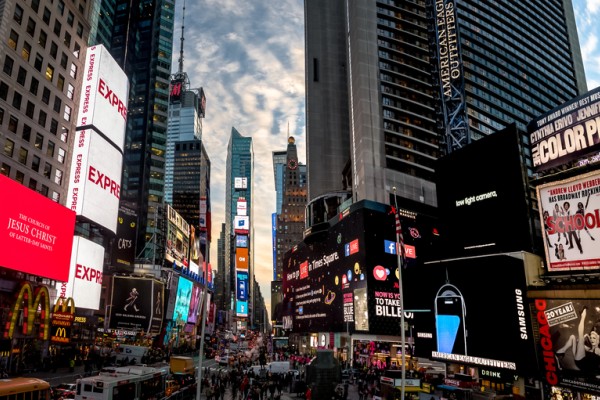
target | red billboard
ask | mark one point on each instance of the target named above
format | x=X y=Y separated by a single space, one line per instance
x=38 y=233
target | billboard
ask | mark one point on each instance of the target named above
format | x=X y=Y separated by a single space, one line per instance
x=241 y=285
x=241 y=224
x=241 y=241
x=85 y=275
x=567 y=332
x=240 y=183
x=447 y=325
x=476 y=203
x=195 y=303
x=95 y=179
x=570 y=210
x=137 y=304
x=567 y=132
x=241 y=258
x=348 y=278
x=182 y=300
x=242 y=207
x=38 y=232
x=178 y=239
x=123 y=245
x=241 y=308
x=104 y=96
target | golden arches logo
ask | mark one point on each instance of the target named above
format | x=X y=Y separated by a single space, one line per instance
x=61 y=332
x=41 y=299
x=64 y=305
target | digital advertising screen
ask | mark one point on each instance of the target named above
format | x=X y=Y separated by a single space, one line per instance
x=37 y=230
x=570 y=211
x=182 y=301
x=194 y=308
x=348 y=279
x=241 y=285
x=241 y=308
x=132 y=303
x=123 y=247
x=476 y=204
x=449 y=310
x=568 y=336
x=178 y=239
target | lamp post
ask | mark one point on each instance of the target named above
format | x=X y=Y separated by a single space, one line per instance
x=399 y=251
x=201 y=351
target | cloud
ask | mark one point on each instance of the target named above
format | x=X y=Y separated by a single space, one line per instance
x=249 y=59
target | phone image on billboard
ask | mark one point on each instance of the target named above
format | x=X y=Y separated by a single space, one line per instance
x=450 y=312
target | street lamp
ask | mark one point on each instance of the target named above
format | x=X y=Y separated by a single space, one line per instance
x=399 y=251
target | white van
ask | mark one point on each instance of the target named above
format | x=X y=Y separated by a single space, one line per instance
x=279 y=367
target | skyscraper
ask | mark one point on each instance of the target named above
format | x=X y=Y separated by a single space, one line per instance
x=510 y=61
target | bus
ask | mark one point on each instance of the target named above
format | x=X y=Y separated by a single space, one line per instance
x=136 y=382
x=24 y=389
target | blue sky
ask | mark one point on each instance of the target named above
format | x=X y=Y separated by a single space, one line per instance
x=249 y=58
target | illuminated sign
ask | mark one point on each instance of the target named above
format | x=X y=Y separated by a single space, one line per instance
x=41 y=301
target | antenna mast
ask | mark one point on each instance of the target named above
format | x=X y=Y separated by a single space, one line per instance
x=181 y=49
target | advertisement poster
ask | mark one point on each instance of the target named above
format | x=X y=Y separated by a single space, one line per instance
x=132 y=304
x=158 y=301
x=242 y=285
x=569 y=340
x=182 y=302
x=195 y=301
x=178 y=239
x=570 y=211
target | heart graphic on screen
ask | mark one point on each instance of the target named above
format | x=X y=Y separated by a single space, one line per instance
x=379 y=273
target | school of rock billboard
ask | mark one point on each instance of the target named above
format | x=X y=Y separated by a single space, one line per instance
x=570 y=210
x=567 y=132
x=485 y=323
x=568 y=339
x=349 y=279
x=137 y=304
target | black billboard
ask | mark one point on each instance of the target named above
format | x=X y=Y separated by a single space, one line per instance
x=348 y=279
x=483 y=198
x=137 y=304
x=123 y=244
x=473 y=311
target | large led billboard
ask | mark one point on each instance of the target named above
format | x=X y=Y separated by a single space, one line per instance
x=567 y=132
x=95 y=179
x=241 y=258
x=85 y=276
x=347 y=279
x=486 y=322
x=104 y=96
x=195 y=304
x=241 y=285
x=567 y=333
x=38 y=232
x=570 y=210
x=182 y=300
x=137 y=304
x=123 y=245
x=178 y=239
x=484 y=208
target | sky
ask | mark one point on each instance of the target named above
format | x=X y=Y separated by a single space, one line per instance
x=249 y=59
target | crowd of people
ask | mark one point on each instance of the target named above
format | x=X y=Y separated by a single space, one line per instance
x=244 y=385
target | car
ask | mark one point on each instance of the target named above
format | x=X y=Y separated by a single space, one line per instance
x=349 y=374
x=65 y=391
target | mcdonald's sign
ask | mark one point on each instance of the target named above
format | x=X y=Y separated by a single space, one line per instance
x=61 y=334
x=41 y=300
x=64 y=312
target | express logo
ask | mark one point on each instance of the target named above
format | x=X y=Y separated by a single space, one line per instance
x=88 y=274
x=112 y=98
x=104 y=181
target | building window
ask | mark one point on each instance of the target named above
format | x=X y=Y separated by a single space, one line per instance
x=48 y=170
x=70 y=91
x=60 y=83
x=50 y=148
x=64 y=134
x=46 y=16
x=9 y=148
x=57 y=104
x=55 y=196
x=18 y=15
x=53 y=126
x=80 y=30
x=21 y=76
x=73 y=72
x=67 y=114
x=33 y=86
x=67 y=40
x=39 y=141
x=31 y=27
x=44 y=190
x=46 y=95
x=26 y=51
x=76 y=50
x=53 y=50
x=49 y=72
x=3 y=91
x=32 y=184
x=57 y=27
x=1 y=116
x=29 y=111
x=17 y=99
x=8 y=65
x=42 y=118
x=19 y=177
x=61 y=155
x=39 y=60
x=13 y=39
x=23 y=153
x=35 y=5
x=58 y=176
x=64 y=60
x=61 y=7
x=5 y=169
x=70 y=18
x=13 y=122
x=42 y=39
x=26 y=133
x=35 y=164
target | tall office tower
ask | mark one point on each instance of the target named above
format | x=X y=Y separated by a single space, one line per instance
x=425 y=78
x=43 y=66
x=288 y=229
x=141 y=41
x=239 y=269
x=221 y=296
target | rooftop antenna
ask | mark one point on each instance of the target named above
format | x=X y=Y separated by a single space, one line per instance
x=181 y=49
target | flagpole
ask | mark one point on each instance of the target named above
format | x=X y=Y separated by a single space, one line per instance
x=399 y=254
